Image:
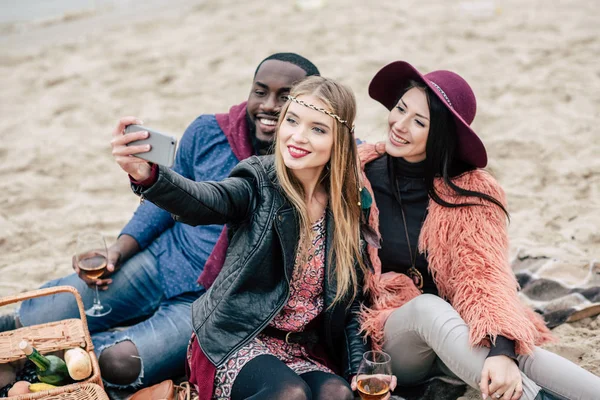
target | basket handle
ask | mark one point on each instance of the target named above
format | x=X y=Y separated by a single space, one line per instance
x=32 y=294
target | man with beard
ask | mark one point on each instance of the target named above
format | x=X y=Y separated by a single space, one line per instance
x=154 y=264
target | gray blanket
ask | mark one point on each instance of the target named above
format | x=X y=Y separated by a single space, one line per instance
x=560 y=291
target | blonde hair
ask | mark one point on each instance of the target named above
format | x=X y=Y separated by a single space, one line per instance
x=340 y=179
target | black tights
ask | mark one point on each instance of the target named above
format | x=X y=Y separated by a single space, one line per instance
x=267 y=378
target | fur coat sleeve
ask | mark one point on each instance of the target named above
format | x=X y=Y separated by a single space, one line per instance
x=467 y=251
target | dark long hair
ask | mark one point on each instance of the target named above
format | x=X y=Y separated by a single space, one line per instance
x=440 y=150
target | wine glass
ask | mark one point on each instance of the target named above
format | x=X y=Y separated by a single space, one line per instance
x=374 y=375
x=91 y=258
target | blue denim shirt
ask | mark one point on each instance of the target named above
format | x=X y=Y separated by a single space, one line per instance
x=204 y=154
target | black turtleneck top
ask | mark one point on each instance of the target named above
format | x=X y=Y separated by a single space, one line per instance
x=394 y=252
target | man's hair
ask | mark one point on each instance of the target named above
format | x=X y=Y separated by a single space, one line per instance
x=292 y=58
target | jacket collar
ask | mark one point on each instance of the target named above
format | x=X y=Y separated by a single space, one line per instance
x=330 y=284
x=286 y=225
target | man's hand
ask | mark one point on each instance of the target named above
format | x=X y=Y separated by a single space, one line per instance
x=501 y=379
x=136 y=167
x=393 y=383
x=103 y=281
x=125 y=247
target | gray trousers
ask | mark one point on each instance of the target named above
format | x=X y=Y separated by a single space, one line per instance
x=427 y=337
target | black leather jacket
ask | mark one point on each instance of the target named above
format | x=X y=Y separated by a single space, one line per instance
x=254 y=283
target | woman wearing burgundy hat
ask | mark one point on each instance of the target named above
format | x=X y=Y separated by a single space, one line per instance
x=443 y=295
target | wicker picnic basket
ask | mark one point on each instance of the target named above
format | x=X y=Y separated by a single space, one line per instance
x=54 y=336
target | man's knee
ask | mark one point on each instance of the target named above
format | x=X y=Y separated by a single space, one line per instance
x=120 y=364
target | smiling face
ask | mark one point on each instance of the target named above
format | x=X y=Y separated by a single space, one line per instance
x=409 y=127
x=270 y=89
x=305 y=137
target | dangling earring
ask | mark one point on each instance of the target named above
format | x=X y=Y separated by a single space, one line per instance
x=360 y=188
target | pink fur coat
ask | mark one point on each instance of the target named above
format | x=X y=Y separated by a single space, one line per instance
x=467 y=252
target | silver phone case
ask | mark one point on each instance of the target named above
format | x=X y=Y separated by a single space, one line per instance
x=162 y=149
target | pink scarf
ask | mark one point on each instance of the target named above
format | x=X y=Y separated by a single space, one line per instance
x=235 y=128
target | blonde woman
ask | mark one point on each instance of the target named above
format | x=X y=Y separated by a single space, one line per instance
x=281 y=316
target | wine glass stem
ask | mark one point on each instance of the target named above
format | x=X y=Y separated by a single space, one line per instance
x=97 y=298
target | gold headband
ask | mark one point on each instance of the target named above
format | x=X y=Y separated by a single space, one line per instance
x=324 y=111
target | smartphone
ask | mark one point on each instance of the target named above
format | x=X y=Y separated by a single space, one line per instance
x=162 y=149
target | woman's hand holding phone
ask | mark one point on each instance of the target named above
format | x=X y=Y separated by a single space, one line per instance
x=138 y=168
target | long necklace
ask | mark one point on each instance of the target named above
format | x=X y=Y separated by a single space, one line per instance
x=413 y=273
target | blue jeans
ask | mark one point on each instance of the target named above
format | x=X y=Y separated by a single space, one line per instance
x=135 y=294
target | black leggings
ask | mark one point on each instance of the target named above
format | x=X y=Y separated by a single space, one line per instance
x=267 y=378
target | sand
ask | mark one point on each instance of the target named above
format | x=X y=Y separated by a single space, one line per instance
x=534 y=67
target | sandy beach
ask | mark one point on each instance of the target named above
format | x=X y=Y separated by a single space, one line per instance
x=534 y=67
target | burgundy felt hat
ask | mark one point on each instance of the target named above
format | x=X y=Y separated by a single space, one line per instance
x=451 y=89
